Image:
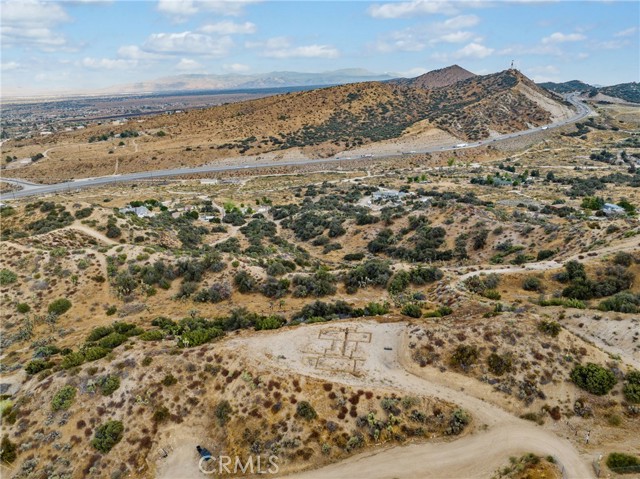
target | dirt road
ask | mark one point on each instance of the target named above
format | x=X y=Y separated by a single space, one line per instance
x=386 y=363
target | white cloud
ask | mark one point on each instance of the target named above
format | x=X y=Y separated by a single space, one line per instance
x=270 y=44
x=236 y=68
x=626 y=33
x=456 y=37
x=461 y=21
x=610 y=44
x=9 y=66
x=419 y=37
x=305 y=51
x=134 y=52
x=177 y=9
x=187 y=42
x=107 y=63
x=229 y=28
x=559 y=37
x=281 y=47
x=32 y=12
x=186 y=64
x=411 y=9
x=471 y=51
x=32 y=23
x=181 y=10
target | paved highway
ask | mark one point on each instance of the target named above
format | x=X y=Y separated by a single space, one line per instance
x=32 y=189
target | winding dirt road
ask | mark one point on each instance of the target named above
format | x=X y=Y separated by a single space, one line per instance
x=497 y=435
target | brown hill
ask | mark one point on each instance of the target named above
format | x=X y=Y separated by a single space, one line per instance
x=437 y=78
x=353 y=114
x=322 y=122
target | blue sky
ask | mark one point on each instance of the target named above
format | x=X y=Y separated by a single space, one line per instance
x=79 y=45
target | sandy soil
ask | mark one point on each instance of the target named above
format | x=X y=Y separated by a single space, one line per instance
x=418 y=137
x=382 y=363
x=558 y=110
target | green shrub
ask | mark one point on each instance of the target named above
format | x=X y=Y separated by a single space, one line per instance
x=464 y=356
x=480 y=283
x=72 y=360
x=7 y=277
x=623 y=259
x=565 y=302
x=625 y=302
x=169 y=380
x=376 y=309
x=458 y=421
x=222 y=411
x=399 y=282
x=412 y=310
x=94 y=353
x=498 y=364
x=306 y=411
x=8 y=450
x=593 y=378
x=545 y=254
x=491 y=294
x=439 y=313
x=63 y=399
x=112 y=340
x=552 y=328
x=128 y=329
x=355 y=442
x=153 y=335
x=108 y=384
x=623 y=463
x=532 y=283
x=269 y=322
x=161 y=414
x=632 y=387
x=59 y=306
x=107 y=435
x=37 y=365
x=23 y=308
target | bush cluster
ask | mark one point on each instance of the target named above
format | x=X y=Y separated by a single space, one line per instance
x=593 y=378
x=107 y=435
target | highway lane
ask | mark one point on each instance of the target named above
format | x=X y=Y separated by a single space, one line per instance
x=30 y=189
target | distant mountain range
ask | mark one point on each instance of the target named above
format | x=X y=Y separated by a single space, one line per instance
x=193 y=82
x=629 y=92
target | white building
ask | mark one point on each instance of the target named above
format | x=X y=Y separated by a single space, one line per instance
x=139 y=211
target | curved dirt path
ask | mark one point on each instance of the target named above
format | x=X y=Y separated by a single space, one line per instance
x=90 y=232
x=474 y=456
x=497 y=434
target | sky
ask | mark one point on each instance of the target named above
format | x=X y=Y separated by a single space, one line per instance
x=80 y=45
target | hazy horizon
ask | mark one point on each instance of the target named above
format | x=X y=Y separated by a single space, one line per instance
x=50 y=47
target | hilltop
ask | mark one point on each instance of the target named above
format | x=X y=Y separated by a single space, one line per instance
x=625 y=91
x=629 y=92
x=567 y=87
x=437 y=78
